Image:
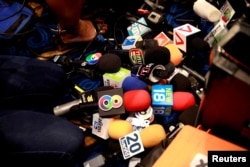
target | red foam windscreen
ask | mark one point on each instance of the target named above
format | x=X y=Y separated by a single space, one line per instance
x=182 y=101
x=136 y=100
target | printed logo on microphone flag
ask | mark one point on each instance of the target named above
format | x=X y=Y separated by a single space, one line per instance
x=136 y=56
x=178 y=40
x=131 y=144
x=100 y=126
x=182 y=35
x=110 y=102
x=162 y=39
x=186 y=28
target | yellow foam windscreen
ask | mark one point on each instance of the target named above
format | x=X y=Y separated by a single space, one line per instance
x=152 y=135
x=119 y=128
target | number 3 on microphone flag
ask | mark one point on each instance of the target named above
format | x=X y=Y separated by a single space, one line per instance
x=131 y=144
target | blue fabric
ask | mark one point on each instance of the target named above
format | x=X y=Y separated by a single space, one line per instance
x=185 y=13
x=29 y=138
x=29 y=82
x=13 y=18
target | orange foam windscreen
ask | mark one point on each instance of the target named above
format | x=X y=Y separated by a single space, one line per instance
x=176 y=55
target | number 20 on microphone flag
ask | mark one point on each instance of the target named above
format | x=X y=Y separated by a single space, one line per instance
x=131 y=144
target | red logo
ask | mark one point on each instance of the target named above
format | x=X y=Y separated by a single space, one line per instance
x=136 y=56
x=178 y=40
x=186 y=28
x=162 y=39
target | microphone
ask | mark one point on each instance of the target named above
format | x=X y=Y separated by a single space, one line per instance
x=124 y=57
x=65 y=60
x=200 y=45
x=119 y=128
x=198 y=55
x=164 y=74
x=133 y=83
x=154 y=73
x=152 y=135
x=87 y=100
x=108 y=63
x=141 y=119
x=133 y=142
x=100 y=126
x=162 y=98
x=136 y=100
x=146 y=72
x=146 y=43
x=157 y=55
x=90 y=59
x=206 y=11
x=129 y=58
x=180 y=81
x=182 y=101
x=134 y=56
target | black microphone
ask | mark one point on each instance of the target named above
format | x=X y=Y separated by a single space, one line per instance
x=66 y=60
x=108 y=103
x=87 y=100
x=146 y=72
x=148 y=51
x=164 y=74
x=134 y=56
x=157 y=55
x=199 y=45
x=146 y=43
x=108 y=63
x=198 y=55
x=180 y=83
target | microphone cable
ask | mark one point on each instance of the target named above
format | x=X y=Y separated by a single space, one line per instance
x=128 y=17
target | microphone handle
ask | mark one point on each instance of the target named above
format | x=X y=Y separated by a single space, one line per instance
x=154 y=78
x=90 y=73
x=87 y=106
x=65 y=108
x=160 y=73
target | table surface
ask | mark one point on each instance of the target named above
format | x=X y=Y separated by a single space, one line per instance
x=189 y=143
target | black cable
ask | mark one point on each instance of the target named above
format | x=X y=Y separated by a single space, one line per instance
x=133 y=21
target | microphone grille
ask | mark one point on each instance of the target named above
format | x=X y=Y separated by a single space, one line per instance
x=180 y=83
x=157 y=55
x=199 y=44
x=109 y=63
